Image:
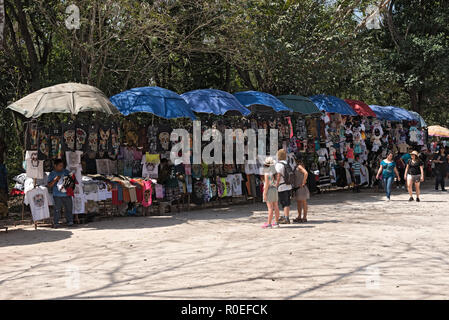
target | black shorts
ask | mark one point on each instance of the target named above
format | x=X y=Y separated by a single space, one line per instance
x=284 y=198
x=358 y=179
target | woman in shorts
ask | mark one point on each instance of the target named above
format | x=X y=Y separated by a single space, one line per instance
x=414 y=174
x=270 y=193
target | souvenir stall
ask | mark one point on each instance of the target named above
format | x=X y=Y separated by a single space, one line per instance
x=145 y=151
x=308 y=136
x=337 y=150
x=267 y=112
x=46 y=143
x=215 y=183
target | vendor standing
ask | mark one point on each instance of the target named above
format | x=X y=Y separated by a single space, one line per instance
x=441 y=162
x=61 y=198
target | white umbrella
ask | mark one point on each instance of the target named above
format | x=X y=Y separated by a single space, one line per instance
x=64 y=98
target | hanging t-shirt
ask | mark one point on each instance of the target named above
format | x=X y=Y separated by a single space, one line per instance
x=147 y=193
x=73 y=158
x=37 y=199
x=32 y=138
x=69 y=137
x=237 y=184
x=159 y=191
x=44 y=144
x=92 y=140
x=198 y=192
x=78 y=204
x=229 y=184
x=34 y=166
x=150 y=170
x=152 y=139
x=164 y=138
x=81 y=137
x=189 y=184
x=56 y=143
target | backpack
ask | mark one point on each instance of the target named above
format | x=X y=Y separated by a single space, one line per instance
x=289 y=174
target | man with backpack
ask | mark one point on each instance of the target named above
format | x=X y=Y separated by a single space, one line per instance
x=284 y=182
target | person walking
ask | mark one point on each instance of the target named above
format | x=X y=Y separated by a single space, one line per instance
x=284 y=180
x=388 y=170
x=402 y=163
x=441 y=162
x=270 y=193
x=300 y=191
x=414 y=173
x=357 y=173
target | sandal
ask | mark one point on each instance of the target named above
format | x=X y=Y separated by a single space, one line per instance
x=303 y=220
x=297 y=220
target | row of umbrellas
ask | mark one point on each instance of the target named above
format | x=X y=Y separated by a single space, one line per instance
x=75 y=98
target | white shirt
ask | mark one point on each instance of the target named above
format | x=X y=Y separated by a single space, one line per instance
x=280 y=169
x=38 y=199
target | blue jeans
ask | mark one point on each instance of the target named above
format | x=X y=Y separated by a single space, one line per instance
x=65 y=202
x=387 y=185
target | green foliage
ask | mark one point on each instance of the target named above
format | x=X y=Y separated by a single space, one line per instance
x=300 y=47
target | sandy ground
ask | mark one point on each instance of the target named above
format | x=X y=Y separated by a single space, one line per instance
x=354 y=246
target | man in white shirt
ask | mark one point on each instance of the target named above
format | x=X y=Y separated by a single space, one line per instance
x=284 y=190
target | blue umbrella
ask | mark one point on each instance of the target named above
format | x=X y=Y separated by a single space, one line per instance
x=392 y=113
x=402 y=114
x=420 y=119
x=158 y=101
x=256 y=98
x=383 y=113
x=214 y=101
x=332 y=104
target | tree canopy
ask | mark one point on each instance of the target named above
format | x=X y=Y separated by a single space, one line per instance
x=300 y=47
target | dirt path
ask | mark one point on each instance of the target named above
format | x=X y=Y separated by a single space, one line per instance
x=354 y=246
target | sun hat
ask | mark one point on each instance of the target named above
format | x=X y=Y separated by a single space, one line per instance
x=415 y=153
x=269 y=162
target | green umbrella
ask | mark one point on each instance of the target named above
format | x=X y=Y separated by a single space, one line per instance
x=64 y=98
x=300 y=104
